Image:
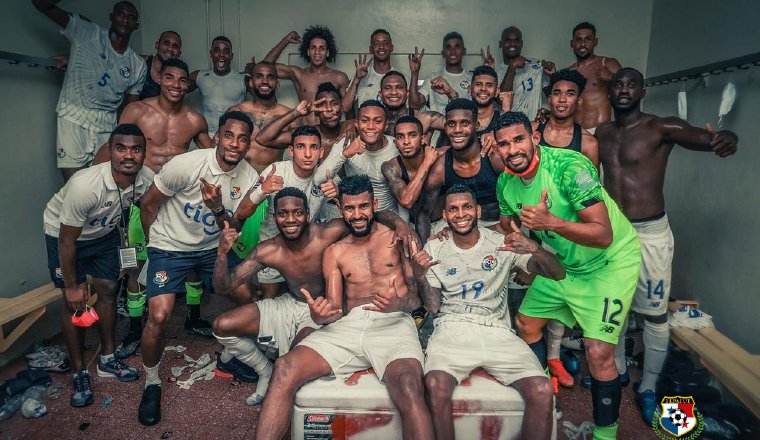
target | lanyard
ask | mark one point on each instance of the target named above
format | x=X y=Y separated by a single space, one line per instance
x=122 y=220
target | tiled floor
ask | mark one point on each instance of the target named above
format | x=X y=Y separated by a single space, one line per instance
x=213 y=409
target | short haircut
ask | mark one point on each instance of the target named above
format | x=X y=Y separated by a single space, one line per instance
x=371 y=103
x=290 y=191
x=263 y=63
x=174 y=62
x=355 y=185
x=322 y=32
x=238 y=116
x=394 y=73
x=460 y=188
x=623 y=70
x=408 y=119
x=570 y=75
x=170 y=32
x=125 y=130
x=328 y=87
x=305 y=130
x=585 y=25
x=221 y=38
x=508 y=30
x=484 y=70
x=509 y=119
x=453 y=35
x=462 y=104
x=379 y=31
x=125 y=3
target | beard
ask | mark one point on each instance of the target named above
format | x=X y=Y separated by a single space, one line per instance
x=363 y=233
x=260 y=95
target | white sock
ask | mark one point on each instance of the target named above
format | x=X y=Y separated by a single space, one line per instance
x=151 y=375
x=656 y=338
x=554 y=332
x=246 y=351
x=620 y=348
x=225 y=356
x=104 y=358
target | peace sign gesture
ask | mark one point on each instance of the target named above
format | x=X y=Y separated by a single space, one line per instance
x=488 y=59
x=415 y=60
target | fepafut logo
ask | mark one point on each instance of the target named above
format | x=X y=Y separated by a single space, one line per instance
x=678 y=418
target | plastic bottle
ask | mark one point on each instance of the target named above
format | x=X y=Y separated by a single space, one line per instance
x=33 y=402
x=11 y=406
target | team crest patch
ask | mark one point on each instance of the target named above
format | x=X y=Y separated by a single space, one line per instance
x=61 y=153
x=584 y=180
x=160 y=278
x=235 y=192
x=316 y=192
x=125 y=71
x=489 y=263
x=240 y=247
x=678 y=418
x=464 y=84
x=58 y=273
x=139 y=247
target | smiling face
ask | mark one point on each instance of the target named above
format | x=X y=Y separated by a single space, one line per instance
x=291 y=217
x=583 y=43
x=461 y=213
x=127 y=154
x=453 y=51
x=511 y=43
x=460 y=128
x=233 y=142
x=221 y=56
x=381 y=46
x=564 y=99
x=516 y=146
x=358 y=212
x=169 y=45
x=483 y=90
x=174 y=83
x=318 y=51
x=306 y=152
x=393 y=92
x=264 y=81
x=371 y=124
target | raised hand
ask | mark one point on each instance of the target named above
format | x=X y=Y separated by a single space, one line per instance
x=272 y=183
x=322 y=310
x=505 y=100
x=329 y=188
x=227 y=238
x=516 y=63
x=487 y=144
x=441 y=235
x=388 y=301
x=318 y=105
x=415 y=60
x=549 y=67
x=441 y=86
x=518 y=242
x=431 y=154
x=357 y=146
x=293 y=38
x=422 y=260
x=212 y=195
x=488 y=59
x=724 y=142
x=538 y=218
x=303 y=108
x=362 y=66
x=542 y=115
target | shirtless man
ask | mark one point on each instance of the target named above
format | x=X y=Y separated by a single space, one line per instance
x=169 y=125
x=366 y=82
x=393 y=94
x=296 y=253
x=220 y=86
x=169 y=45
x=318 y=48
x=462 y=163
x=378 y=287
x=263 y=109
x=594 y=108
x=634 y=150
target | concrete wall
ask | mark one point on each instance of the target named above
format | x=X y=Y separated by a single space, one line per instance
x=713 y=203
x=27 y=121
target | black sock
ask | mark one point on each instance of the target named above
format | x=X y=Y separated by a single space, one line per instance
x=135 y=324
x=193 y=312
x=605 y=397
x=539 y=349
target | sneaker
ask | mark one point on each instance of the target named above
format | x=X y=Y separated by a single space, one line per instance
x=625 y=379
x=570 y=361
x=648 y=404
x=82 y=390
x=557 y=369
x=118 y=369
x=128 y=346
x=149 y=411
x=199 y=327
x=237 y=369
x=54 y=363
x=41 y=351
x=573 y=342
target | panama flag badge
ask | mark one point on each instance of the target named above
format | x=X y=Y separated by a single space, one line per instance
x=678 y=416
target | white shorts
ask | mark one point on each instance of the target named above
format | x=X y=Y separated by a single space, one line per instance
x=268 y=275
x=653 y=289
x=281 y=319
x=364 y=339
x=76 y=146
x=458 y=347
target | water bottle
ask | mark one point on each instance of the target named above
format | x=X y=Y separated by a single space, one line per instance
x=33 y=406
x=11 y=406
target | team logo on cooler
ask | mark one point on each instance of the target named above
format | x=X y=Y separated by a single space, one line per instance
x=678 y=418
x=160 y=278
x=58 y=273
x=317 y=418
x=235 y=192
x=489 y=263
x=125 y=71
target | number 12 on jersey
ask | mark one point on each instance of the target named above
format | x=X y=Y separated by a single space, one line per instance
x=477 y=286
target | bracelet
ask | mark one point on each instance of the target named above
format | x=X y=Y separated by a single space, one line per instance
x=258 y=196
x=219 y=212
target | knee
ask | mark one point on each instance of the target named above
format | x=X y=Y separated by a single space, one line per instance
x=159 y=316
x=222 y=326
x=540 y=391
x=600 y=354
x=410 y=384
x=284 y=371
x=438 y=390
x=526 y=327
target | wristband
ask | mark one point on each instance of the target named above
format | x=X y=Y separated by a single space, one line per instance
x=219 y=212
x=258 y=196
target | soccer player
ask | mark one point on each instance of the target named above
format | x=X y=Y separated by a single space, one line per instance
x=168 y=46
x=393 y=94
x=634 y=151
x=556 y=193
x=102 y=71
x=366 y=82
x=441 y=86
x=82 y=239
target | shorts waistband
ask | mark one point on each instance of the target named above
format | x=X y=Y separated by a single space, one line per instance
x=657 y=227
x=650 y=218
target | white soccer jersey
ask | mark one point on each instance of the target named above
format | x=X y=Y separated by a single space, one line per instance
x=184 y=223
x=369 y=86
x=368 y=163
x=528 y=84
x=90 y=200
x=460 y=82
x=472 y=280
x=219 y=93
x=97 y=76
x=285 y=170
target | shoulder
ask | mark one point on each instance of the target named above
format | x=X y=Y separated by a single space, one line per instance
x=134 y=111
x=281 y=110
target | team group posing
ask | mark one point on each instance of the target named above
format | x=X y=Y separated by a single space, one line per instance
x=322 y=251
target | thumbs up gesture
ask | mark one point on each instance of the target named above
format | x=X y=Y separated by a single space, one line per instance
x=227 y=238
x=272 y=183
x=329 y=188
x=723 y=143
x=539 y=218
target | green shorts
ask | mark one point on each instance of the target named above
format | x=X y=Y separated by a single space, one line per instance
x=598 y=301
x=249 y=235
x=135 y=233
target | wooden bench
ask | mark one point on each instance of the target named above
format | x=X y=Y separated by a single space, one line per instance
x=734 y=367
x=30 y=305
